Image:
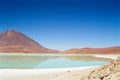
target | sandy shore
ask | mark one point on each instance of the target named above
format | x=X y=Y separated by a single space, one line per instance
x=44 y=74
x=111 y=56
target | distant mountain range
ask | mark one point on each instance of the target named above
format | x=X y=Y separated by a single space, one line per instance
x=109 y=50
x=12 y=41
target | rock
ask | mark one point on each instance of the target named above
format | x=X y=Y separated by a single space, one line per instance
x=111 y=71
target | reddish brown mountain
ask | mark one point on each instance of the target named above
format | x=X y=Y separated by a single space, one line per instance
x=16 y=42
x=109 y=50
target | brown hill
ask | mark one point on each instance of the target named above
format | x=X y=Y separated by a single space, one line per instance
x=13 y=41
x=109 y=50
x=110 y=71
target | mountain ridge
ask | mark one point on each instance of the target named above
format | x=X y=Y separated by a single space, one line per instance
x=107 y=50
x=13 y=41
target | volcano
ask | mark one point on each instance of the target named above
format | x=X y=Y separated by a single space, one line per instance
x=13 y=41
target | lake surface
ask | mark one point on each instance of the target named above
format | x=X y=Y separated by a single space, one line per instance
x=23 y=61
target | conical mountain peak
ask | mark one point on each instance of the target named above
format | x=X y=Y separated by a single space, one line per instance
x=12 y=31
x=15 y=41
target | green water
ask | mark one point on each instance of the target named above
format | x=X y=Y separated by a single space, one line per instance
x=23 y=61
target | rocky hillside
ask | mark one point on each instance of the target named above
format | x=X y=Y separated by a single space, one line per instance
x=110 y=71
x=13 y=41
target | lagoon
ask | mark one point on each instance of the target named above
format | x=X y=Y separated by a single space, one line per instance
x=38 y=61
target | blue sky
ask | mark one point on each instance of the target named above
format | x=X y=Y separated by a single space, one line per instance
x=64 y=24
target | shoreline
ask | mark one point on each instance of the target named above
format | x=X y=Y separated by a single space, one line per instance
x=112 y=56
x=51 y=69
x=37 y=74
